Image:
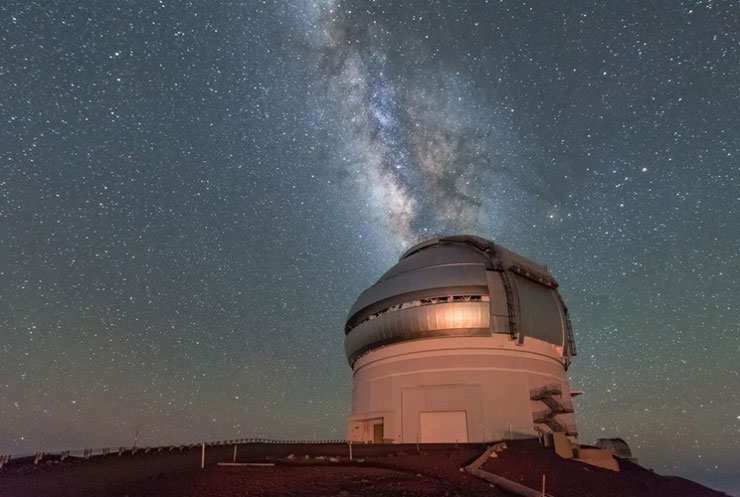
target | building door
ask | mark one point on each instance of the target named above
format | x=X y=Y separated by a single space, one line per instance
x=443 y=427
x=378 y=433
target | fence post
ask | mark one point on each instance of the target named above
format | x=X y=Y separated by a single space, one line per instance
x=39 y=456
x=3 y=460
x=543 y=485
x=203 y=455
x=350 y=449
x=234 y=460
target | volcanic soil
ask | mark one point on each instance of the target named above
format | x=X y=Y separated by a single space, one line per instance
x=526 y=461
x=375 y=471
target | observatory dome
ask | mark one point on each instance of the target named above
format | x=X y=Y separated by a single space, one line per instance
x=618 y=446
x=461 y=341
x=459 y=286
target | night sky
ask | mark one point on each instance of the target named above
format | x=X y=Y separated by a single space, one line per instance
x=192 y=194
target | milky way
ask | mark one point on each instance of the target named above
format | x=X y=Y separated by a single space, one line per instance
x=418 y=157
x=193 y=194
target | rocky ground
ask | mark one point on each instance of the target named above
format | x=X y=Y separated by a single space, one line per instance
x=525 y=461
x=306 y=470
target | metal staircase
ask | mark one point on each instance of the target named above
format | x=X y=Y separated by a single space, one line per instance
x=551 y=396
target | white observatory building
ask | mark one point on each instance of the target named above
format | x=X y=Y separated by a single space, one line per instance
x=461 y=341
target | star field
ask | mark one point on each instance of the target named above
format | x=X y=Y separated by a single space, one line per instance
x=193 y=194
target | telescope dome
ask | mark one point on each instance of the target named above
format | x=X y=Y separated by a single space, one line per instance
x=461 y=341
x=459 y=286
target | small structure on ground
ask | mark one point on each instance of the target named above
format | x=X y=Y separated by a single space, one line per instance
x=617 y=446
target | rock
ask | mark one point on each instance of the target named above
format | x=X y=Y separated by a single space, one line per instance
x=320 y=458
x=359 y=459
x=493 y=454
x=291 y=456
x=418 y=474
x=334 y=459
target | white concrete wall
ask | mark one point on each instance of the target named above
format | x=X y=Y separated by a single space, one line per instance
x=488 y=377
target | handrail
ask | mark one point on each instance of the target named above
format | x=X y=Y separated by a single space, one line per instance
x=545 y=390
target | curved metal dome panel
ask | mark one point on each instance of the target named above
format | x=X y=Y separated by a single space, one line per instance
x=437 y=320
x=464 y=278
x=437 y=255
x=540 y=315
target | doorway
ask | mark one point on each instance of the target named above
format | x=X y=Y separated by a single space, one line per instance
x=378 y=433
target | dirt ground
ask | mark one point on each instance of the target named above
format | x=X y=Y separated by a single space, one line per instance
x=307 y=470
x=526 y=461
x=309 y=481
x=385 y=472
